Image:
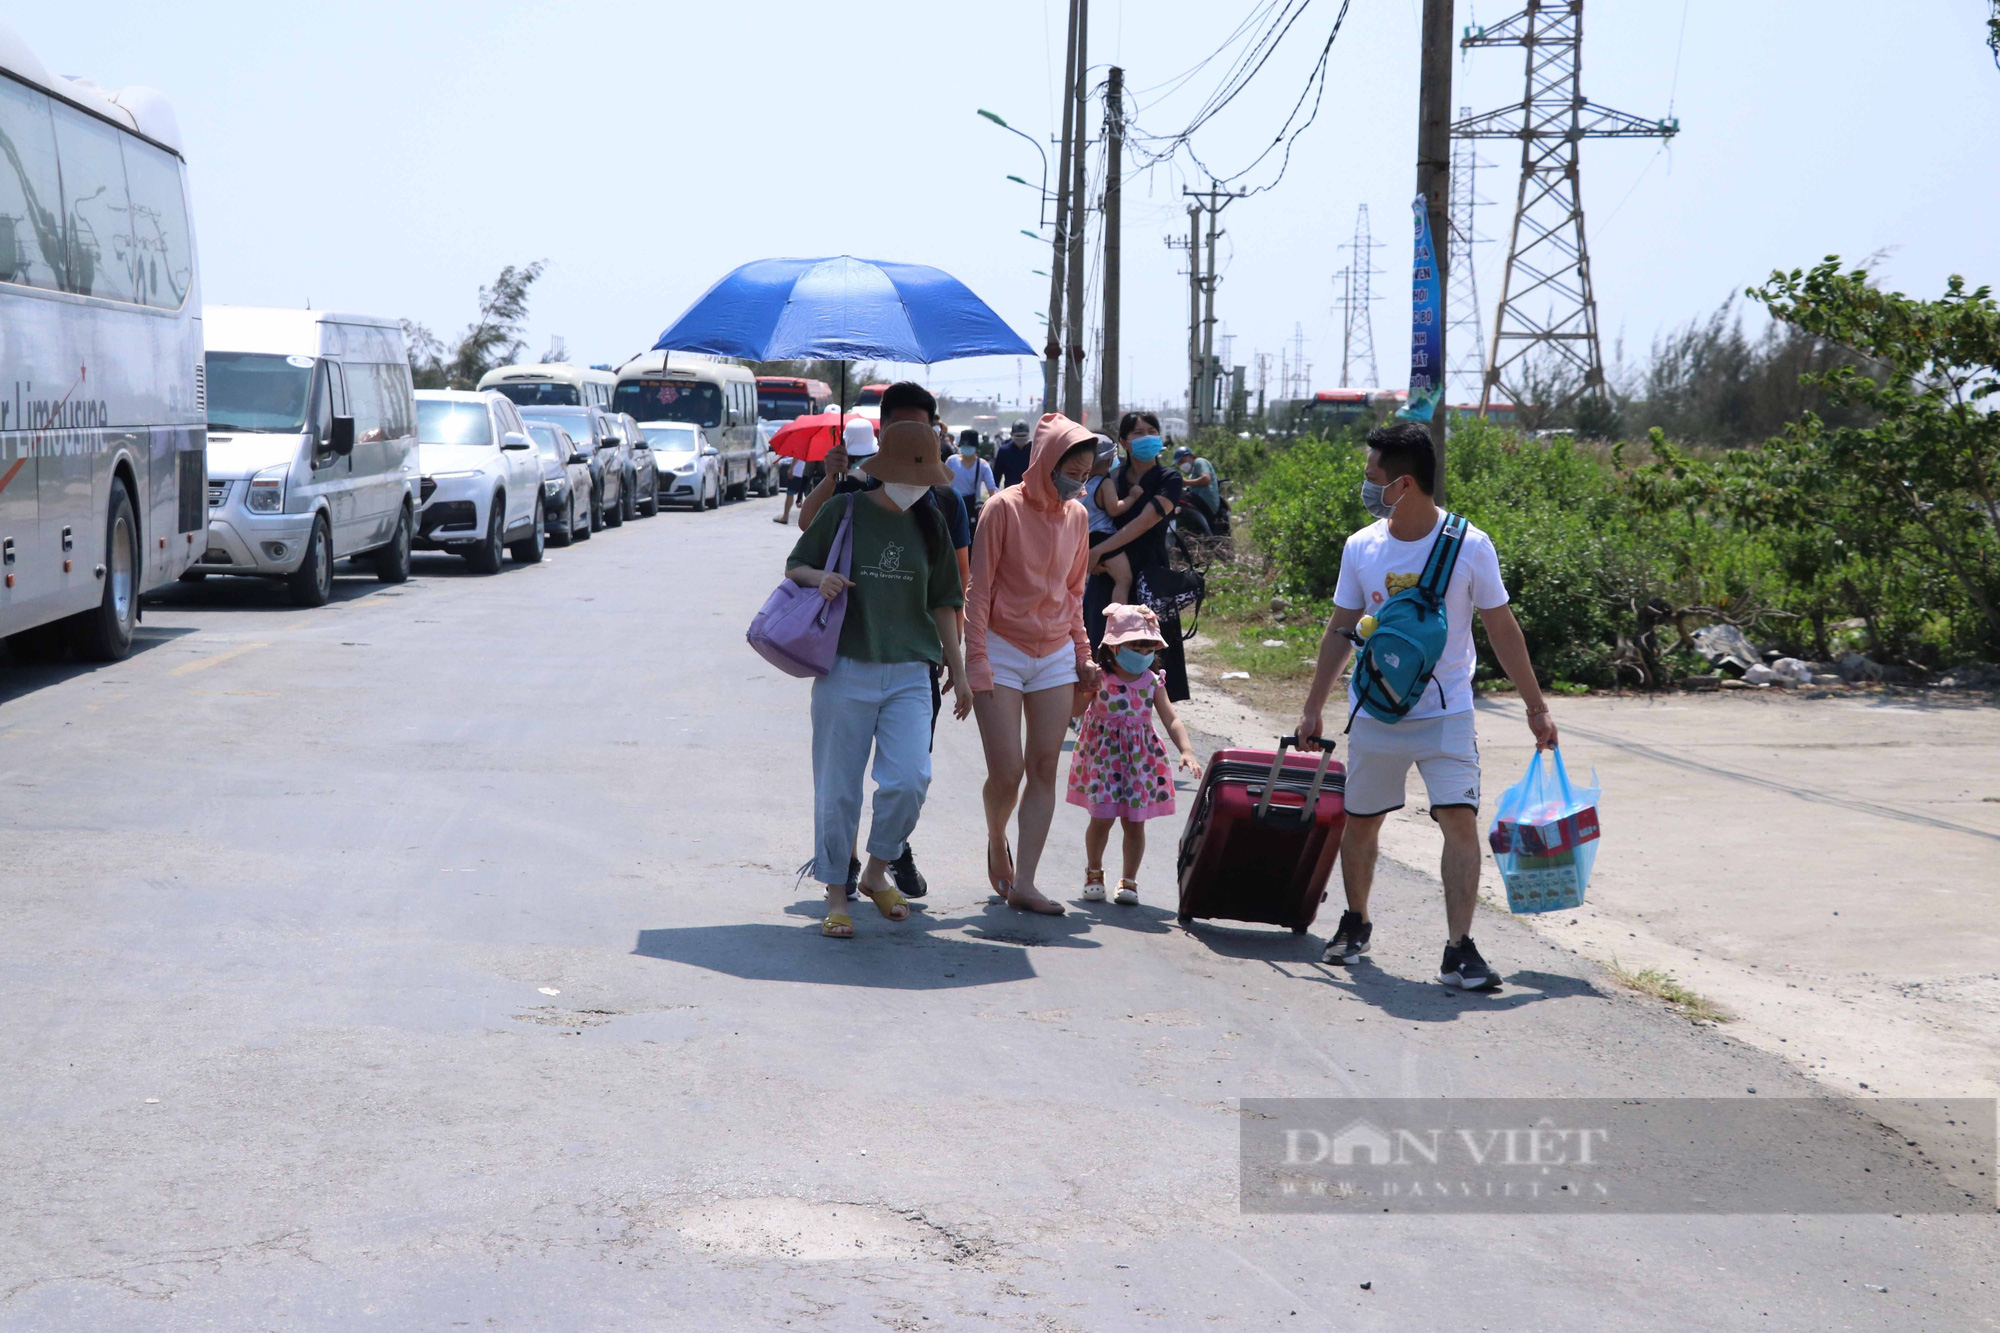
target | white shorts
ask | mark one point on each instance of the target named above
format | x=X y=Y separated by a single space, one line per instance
x=1018 y=671
x=1379 y=754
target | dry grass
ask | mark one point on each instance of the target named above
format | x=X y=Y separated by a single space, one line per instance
x=1664 y=987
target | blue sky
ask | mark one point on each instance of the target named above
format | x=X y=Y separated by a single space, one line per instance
x=389 y=158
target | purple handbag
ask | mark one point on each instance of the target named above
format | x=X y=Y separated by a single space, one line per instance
x=798 y=630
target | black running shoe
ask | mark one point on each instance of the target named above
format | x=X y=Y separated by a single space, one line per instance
x=853 y=878
x=1464 y=968
x=909 y=880
x=1350 y=941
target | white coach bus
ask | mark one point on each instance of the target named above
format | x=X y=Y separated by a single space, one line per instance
x=102 y=425
x=719 y=396
x=551 y=384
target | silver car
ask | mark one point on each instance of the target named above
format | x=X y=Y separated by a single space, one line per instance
x=644 y=476
x=689 y=469
x=566 y=484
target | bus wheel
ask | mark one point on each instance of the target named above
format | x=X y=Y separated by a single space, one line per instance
x=105 y=633
x=311 y=584
x=392 y=562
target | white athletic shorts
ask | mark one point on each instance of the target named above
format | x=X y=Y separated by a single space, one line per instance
x=1018 y=671
x=1379 y=754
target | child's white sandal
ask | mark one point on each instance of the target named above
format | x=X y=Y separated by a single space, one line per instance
x=1128 y=893
x=1093 y=886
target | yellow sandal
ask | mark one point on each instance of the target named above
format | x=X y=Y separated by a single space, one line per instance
x=888 y=901
x=837 y=926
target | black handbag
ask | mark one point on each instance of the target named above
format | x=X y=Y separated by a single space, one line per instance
x=1170 y=591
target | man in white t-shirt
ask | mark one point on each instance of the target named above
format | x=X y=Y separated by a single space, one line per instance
x=1437 y=736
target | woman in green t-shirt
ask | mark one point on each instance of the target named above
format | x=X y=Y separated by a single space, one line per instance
x=903 y=595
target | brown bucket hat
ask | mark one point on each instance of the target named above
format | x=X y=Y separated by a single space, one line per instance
x=908 y=455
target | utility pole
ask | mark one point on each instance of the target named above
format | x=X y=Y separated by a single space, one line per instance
x=1114 y=189
x=1434 y=182
x=1193 y=247
x=1052 y=352
x=1080 y=99
x=1547 y=257
x=1212 y=201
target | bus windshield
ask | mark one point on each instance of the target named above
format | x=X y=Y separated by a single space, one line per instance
x=443 y=421
x=258 y=391
x=783 y=404
x=694 y=401
x=539 y=393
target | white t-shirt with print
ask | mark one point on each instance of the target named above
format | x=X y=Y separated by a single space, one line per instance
x=1375 y=566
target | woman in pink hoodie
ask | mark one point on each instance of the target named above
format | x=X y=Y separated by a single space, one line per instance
x=1025 y=646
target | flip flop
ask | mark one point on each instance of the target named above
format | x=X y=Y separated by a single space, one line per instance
x=1002 y=882
x=890 y=902
x=837 y=926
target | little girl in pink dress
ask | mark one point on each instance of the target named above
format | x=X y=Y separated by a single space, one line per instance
x=1120 y=770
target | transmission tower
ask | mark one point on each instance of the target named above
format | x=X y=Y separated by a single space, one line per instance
x=1548 y=263
x=1465 y=334
x=1357 y=298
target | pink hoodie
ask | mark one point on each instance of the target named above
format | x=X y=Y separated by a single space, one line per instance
x=1030 y=561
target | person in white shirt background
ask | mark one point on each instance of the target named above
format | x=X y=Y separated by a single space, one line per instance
x=971 y=475
x=1436 y=735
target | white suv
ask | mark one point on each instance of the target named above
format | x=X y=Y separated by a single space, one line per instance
x=481 y=480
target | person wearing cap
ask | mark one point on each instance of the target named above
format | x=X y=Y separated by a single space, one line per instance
x=903 y=594
x=1204 y=491
x=843 y=461
x=1025 y=646
x=1120 y=771
x=903 y=401
x=1010 y=460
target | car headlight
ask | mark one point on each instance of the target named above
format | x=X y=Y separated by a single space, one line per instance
x=552 y=486
x=685 y=470
x=267 y=490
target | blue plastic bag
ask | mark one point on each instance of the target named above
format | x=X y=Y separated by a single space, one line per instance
x=1544 y=837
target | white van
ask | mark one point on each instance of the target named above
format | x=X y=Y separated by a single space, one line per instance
x=719 y=396
x=551 y=384
x=100 y=355
x=312 y=439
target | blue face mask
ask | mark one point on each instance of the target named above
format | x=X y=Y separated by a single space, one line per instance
x=1134 y=664
x=1145 y=448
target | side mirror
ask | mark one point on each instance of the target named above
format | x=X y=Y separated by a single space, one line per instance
x=513 y=439
x=711 y=452
x=340 y=439
x=580 y=458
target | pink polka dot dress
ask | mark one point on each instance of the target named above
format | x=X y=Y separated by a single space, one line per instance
x=1120 y=768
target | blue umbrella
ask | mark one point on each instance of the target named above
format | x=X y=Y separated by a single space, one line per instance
x=841 y=309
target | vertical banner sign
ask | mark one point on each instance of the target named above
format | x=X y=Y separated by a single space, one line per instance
x=1426 y=326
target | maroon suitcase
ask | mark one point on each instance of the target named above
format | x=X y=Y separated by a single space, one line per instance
x=1262 y=837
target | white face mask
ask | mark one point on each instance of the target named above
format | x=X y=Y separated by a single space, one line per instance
x=903 y=494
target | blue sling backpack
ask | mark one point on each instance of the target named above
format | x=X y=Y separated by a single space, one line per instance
x=1394 y=664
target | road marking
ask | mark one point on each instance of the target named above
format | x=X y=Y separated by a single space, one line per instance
x=205 y=663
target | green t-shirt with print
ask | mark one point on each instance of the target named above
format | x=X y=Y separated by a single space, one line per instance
x=896 y=586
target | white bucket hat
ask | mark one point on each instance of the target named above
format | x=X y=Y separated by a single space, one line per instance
x=858 y=437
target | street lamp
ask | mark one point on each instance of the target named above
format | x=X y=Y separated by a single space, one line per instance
x=1042 y=216
x=1033 y=236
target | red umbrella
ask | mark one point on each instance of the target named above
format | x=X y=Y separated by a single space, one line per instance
x=811 y=438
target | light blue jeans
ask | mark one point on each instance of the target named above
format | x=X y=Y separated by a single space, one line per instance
x=858 y=707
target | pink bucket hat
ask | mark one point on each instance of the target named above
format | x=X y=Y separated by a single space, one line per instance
x=1130 y=624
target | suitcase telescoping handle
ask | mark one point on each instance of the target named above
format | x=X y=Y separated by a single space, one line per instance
x=1277 y=766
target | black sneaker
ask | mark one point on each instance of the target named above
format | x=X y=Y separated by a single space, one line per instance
x=853 y=878
x=909 y=880
x=1350 y=940
x=1464 y=968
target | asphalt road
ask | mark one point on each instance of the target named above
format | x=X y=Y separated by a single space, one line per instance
x=435 y=960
